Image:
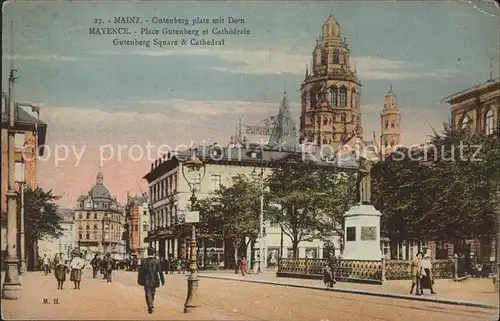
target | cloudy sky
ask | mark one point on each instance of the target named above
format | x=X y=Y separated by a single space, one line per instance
x=96 y=96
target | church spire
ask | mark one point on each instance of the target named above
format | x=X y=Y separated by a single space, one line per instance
x=307 y=73
x=284 y=131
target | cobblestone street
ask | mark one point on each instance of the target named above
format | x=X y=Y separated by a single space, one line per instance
x=221 y=300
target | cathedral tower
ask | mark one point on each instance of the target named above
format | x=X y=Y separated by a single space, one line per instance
x=390 y=121
x=330 y=92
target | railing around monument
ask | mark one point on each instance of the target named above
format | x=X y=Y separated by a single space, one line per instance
x=360 y=270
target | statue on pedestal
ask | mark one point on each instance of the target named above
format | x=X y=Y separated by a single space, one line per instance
x=364 y=181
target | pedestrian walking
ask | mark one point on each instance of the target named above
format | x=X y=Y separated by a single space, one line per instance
x=243 y=265
x=108 y=267
x=46 y=264
x=60 y=272
x=95 y=265
x=426 y=274
x=149 y=276
x=77 y=264
x=328 y=279
x=416 y=275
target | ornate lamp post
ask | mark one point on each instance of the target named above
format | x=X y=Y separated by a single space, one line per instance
x=12 y=286
x=20 y=180
x=105 y=232
x=193 y=171
x=258 y=259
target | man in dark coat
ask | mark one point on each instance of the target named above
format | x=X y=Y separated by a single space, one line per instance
x=95 y=265
x=149 y=276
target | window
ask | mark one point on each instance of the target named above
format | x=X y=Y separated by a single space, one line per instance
x=343 y=117
x=80 y=216
x=87 y=227
x=170 y=182
x=353 y=98
x=19 y=140
x=324 y=57
x=334 y=96
x=393 y=124
x=325 y=121
x=88 y=216
x=19 y=171
x=95 y=226
x=489 y=122
x=465 y=123
x=351 y=233
x=175 y=182
x=343 y=96
x=336 y=56
x=80 y=236
x=144 y=227
x=87 y=236
x=95 y=216
x=386 y=124
x=136 y=227
x=386 y=142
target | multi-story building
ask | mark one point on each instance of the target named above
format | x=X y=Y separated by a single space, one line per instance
x=64 y=244
x=476 y=108
x=99 y=221
x=29 y=140
x=137 y=226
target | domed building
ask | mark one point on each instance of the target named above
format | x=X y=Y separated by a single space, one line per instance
x=99 y=221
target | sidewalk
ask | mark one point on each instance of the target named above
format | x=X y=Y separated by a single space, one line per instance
x=95 y=300
x=471 y=292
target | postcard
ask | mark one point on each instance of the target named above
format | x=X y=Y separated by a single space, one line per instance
x=250 y=160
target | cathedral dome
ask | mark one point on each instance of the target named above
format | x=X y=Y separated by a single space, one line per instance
x=99 y=191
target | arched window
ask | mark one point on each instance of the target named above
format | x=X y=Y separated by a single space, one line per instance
x=465 y=123
x=393 y=124
x=334 y=96
x=336 y=56
x=343 y=96
x=386 y=124
x=489 y=122
x=386 y=143
x=324 y=57
x=95 y=226
x=343 y=117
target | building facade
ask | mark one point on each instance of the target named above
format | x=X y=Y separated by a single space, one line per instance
x=28 y=145
x=137 y=226
x=99 y=221
x=64 y=244
x=330 y=92
x=476 y=108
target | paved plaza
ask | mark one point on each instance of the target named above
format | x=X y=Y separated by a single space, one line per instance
x=221 y=300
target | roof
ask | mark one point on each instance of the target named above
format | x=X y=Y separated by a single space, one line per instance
x=24 y=121
x=99 y=192
x=253 y=155
x=495 y=82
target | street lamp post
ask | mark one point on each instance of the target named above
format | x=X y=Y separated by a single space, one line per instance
x=258 y=259
x=197 y=167
x=105 y=228
x=12 y=286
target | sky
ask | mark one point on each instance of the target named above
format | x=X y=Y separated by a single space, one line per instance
x=110 y=102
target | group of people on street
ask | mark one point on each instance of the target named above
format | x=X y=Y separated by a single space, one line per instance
x=421 y=273
x=103 y=265
x=63 y=267
x=171 y=265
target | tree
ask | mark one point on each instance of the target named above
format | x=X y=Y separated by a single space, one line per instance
x=445 y=191
x=313 y=202
x=41 y=219
x=233 y=211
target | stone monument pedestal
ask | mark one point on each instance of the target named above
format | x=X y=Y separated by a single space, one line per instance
x=362 y=233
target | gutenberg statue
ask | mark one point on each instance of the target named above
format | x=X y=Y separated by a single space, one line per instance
x=364 y=181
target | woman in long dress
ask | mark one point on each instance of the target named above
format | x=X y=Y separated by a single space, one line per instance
x=76 y=265
x=426 y=274
x=60 y=271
